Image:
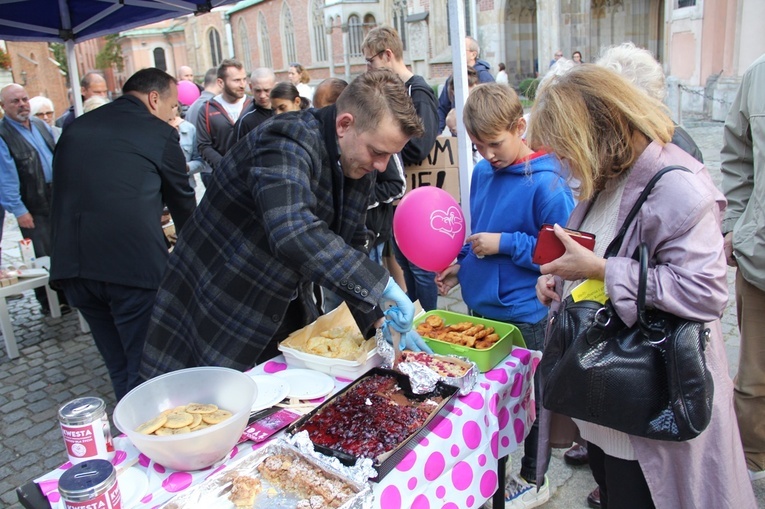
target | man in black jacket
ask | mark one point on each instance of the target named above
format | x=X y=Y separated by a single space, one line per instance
x=383 y=49
x=92 y=84
x=262 y=81
x=114 y=169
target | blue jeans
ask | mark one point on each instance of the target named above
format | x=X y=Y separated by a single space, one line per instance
x=534 y=336
x=420 y=283
x=376 y=253
x=118 y=317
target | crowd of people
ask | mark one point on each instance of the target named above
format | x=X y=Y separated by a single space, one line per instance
x=299 y=192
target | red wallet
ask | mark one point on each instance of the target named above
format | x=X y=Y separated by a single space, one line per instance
x=549 y=247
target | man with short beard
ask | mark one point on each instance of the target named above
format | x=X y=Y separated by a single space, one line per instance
x=216 y=119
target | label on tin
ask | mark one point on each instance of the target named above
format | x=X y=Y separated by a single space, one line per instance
x=112 y=499
x=85 y=442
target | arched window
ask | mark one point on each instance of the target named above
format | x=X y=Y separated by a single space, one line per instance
x=288 y=29
x=245 y=57
x=216 y=54
x=265 y=44
x=399 y=19
x=369 y=23
x=355 y=35
x=159 y=59
x=318 y=32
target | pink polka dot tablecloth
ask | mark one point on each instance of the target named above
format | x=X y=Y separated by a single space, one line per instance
x=452 y=467
x=455 y=465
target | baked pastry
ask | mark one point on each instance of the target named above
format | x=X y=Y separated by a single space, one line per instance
x=318 y=488
x=443 y=366
x=244 y=489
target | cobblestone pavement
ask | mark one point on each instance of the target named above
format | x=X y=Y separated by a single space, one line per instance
x=58 y=363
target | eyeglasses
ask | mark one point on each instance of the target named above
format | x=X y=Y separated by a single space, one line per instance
x=372 y=58
x=44 y=114
x=559 y=54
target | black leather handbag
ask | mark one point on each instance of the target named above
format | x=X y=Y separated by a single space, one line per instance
x=649 y=380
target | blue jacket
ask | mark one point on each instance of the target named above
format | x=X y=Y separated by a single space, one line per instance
x=445 y=103
x=515 y=201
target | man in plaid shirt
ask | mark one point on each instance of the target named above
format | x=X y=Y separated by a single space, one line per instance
x=286 y=209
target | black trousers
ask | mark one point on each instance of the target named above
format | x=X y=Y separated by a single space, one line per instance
x=622 y=483
x=118 y=317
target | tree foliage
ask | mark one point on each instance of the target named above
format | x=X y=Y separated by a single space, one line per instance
x=5 y=60
x=111 y=54
x=59 y=55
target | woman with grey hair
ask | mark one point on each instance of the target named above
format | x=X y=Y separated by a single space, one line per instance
x=640 y=67
x=42 y=108
x=94 y=102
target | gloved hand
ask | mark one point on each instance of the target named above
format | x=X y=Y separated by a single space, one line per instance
x=409 y=340
x=397 y=307
x=413 y=341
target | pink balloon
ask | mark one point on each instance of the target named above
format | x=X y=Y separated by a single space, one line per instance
x=187 y=92
x=429 y=228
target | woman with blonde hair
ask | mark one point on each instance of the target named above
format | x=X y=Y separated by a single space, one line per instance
x=614 y=139
x=299 y=77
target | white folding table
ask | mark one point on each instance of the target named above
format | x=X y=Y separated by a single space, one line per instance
x=24 y=284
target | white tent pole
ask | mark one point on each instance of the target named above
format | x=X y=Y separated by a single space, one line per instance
x=74 y=77
x=71 y=58
x=459 y=70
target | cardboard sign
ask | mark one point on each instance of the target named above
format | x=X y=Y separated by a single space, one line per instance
x=440 y=169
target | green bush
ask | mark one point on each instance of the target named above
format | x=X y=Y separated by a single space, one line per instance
x=528 y=88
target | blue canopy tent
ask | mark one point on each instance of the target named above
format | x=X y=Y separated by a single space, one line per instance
x=72 y=21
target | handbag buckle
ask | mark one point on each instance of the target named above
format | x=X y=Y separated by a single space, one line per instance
x=602 y=317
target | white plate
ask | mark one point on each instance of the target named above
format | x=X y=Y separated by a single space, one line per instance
x=133 y=484
x=307 y=383
x=271 y=390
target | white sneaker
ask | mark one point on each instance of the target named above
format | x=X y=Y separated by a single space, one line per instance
x=520 y=494
x=756 y=476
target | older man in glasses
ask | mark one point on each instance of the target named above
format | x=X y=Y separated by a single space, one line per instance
x=558 y=55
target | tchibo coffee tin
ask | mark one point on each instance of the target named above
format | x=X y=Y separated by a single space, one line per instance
x=85 y=428
x=91 y=484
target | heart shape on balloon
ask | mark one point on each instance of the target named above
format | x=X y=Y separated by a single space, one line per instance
x=447 y=221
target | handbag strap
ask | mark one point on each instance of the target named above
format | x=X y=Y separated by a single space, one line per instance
x=649 y=332
x=616 y=244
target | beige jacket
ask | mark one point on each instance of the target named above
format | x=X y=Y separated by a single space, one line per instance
x=743 y=174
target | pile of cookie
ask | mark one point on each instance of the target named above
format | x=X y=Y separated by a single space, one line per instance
x=467 y=334
x=184 y=419
x=337 y=342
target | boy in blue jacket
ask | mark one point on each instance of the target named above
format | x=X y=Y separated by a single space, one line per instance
x=513 y=192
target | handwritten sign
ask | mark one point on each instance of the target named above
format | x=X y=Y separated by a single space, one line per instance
x=439 y=169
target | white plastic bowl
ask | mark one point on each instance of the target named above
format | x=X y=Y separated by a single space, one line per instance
x=229 y=389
